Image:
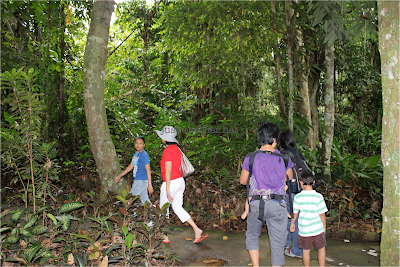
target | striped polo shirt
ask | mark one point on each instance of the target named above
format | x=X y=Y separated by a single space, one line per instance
x=310 y=204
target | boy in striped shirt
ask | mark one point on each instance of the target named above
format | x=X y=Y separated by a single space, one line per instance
x=312 y=221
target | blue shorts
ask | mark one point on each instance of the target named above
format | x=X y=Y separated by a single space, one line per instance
x=275 y=215
x=139 y=188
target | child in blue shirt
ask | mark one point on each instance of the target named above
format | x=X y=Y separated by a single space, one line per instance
x=141 y=172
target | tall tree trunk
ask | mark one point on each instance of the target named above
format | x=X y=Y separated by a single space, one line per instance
x=47 y=97
x=243 y=79
x=389 y=31
x=290 y=37
x=164 y=67
x=94 y=71
x=329 y=115
x=282 y=106
x=314 y=85
x=61 y=104
x=305 y=108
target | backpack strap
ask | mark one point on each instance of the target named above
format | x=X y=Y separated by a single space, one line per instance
x=287 y=155
x=288 y=152
x=252 y=156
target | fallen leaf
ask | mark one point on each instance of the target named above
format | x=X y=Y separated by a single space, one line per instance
x=215 y=225
x=23 y=244
x=70 y=259
x=104 y=262
x=122 y=210
x=187 y=239
x=379 y=230
x=225 y=237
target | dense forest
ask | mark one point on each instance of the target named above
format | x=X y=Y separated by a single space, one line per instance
x=78 y=87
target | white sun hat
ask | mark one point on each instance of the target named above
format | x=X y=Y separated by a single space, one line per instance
x=168 y=134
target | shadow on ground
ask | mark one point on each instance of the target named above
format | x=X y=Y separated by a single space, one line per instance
x=228 y=249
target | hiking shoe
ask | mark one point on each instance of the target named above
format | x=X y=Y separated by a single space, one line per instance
x=290 y=254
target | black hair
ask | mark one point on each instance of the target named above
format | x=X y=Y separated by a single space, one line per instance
x=266 y=132
x=170 y=143
x=307 y=177
x=140 y=137
x=286 y=139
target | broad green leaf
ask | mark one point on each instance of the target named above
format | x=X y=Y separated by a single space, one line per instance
x=30 y=252
x=65 y=222
x=17 y=215
x=3 y=229
x=51 y=216
x=12 y=239
x=190 y=153
x=38 y=229
x=374 y=160
x=67 y=207
x=24 y=232
x=128 y=241
x=124 y=193
x=122 y=199
x=125 y=230
x=31 y=222
x=41 y=209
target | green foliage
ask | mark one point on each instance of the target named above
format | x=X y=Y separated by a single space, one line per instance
x=355 y=170
x=70 y=206
x=26 y=155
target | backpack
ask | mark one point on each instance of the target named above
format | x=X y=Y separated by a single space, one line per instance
x=294 y=184
x=252 y=156
x=299 y=165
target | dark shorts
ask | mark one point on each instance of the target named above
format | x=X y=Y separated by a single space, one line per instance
x=306 y=242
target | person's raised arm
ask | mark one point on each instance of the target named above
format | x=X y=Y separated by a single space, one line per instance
x=127 y=170
x=168 y=171
x=148 y=171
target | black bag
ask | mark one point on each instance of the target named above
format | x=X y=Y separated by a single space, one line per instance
x=294 y=184
x=299 y=165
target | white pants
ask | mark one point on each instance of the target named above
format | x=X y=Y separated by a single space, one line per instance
x=176 y=188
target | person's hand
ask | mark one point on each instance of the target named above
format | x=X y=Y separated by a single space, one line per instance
x=169 y=196
x=292 y=227
x=116 y=180
x=150 y=189
x=288 y=215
